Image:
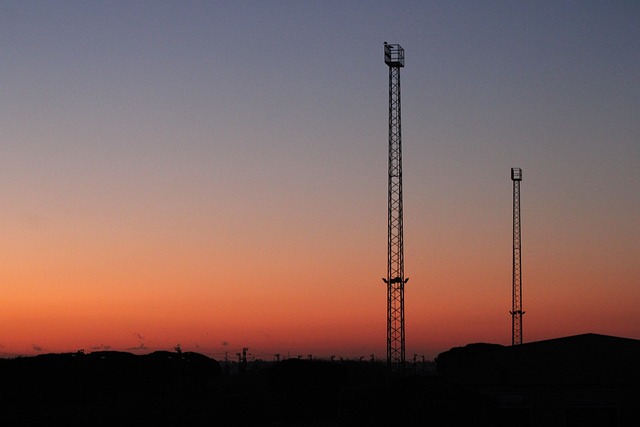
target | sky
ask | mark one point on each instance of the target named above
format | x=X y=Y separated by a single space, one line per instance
x=213 y=174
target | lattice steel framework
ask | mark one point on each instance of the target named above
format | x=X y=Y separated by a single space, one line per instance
x=516 y=312
x=395 y=280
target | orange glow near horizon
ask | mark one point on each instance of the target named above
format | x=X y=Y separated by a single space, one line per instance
x=138 y=289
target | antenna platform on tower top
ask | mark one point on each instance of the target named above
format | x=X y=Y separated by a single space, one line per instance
x=393 y=55
x=516 y=174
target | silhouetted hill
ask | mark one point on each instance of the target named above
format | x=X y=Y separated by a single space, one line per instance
x=458 y=357
x=107 y=384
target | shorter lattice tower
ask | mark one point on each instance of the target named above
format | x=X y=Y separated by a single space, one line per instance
x=516 y=311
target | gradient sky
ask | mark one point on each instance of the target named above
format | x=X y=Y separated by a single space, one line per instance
x=214 y=174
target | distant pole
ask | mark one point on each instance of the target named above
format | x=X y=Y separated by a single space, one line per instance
x=516 y=312
x=395 y=280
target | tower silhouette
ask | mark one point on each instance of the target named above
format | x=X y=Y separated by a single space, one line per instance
x=516 y=312
x=395 y=280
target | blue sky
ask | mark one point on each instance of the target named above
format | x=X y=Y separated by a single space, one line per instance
x=236 y=134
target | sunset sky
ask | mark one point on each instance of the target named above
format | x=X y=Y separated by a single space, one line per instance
x=213 y=174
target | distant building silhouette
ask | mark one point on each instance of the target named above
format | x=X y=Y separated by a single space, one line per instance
x=582 y=380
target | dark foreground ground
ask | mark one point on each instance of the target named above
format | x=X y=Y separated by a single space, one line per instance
x=586 y=380
x=114 y=388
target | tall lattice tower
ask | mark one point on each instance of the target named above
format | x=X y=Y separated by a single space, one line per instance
x=395 y=280
x=516 y=312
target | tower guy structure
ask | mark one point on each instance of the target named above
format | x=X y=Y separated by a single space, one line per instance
x=395 y=280
x=516 y=311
